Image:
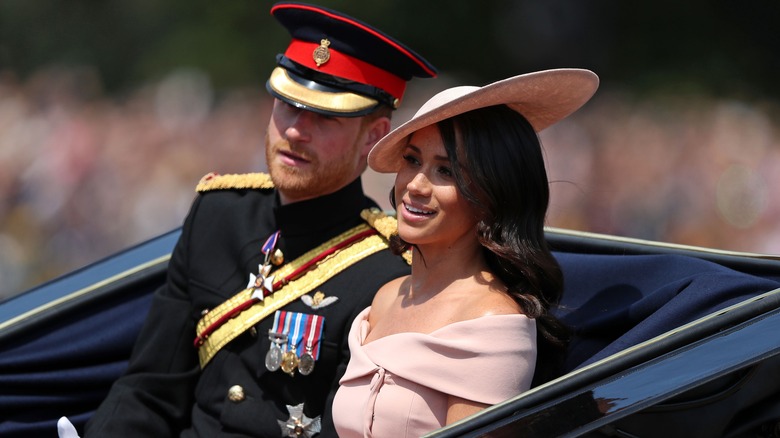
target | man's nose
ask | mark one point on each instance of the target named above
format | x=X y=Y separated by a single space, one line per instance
x=300 y=127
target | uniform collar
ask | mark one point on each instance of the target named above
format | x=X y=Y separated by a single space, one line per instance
x=336 y=211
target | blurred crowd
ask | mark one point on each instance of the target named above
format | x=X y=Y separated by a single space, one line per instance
x=690 y=170
x=83 y=175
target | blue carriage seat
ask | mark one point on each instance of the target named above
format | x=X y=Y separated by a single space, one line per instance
x=62 y=345
x=621 y=292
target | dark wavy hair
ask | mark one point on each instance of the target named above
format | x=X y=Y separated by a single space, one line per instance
x=497 y=161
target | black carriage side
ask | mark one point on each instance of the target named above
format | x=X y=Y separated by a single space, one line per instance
x=647 y=314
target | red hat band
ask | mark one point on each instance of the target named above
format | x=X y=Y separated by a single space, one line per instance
x=338 y=64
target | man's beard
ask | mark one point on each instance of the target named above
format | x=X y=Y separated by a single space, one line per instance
x=316 y=179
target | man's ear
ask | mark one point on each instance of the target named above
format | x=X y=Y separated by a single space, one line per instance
x=375 y=130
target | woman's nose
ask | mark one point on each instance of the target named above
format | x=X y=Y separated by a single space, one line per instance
x=419 y=184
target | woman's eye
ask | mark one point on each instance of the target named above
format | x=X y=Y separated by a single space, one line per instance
x=410 y=159
x=446 y=171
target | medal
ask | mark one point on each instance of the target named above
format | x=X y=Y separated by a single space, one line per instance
x=278 y=337
x=295 y=328
x=306 y=363
x=289 y=362
x=313 y=332
x=299 y=425
x=263 y=283
x=269 y=247
x=295 y=342
x=273 y=359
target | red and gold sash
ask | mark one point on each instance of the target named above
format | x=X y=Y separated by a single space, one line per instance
x=239 y=313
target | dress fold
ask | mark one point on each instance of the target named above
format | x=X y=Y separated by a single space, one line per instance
x=485 y=360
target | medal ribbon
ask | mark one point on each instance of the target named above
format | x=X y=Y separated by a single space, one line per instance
x=200 y=339
x=295 y=331
x=270 y=245
x=311 y=340
x=289 y=321
x=279 y=322
x=303 y=331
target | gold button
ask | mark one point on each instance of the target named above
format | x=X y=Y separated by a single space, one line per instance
x=236 y=394
x=253 y=332
x=204 y=312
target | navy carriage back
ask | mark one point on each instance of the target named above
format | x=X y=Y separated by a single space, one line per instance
x=641 y=310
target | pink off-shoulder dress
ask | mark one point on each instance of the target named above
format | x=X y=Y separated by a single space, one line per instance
x=398 y=385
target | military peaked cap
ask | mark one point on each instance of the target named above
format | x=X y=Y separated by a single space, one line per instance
x=339 y=66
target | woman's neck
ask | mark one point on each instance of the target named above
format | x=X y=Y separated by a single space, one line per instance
x=435 y=270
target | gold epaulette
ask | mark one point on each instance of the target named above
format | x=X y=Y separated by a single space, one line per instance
x=214 y=181
x=385 y=224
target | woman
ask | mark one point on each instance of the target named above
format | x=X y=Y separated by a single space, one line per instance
x=471 y=192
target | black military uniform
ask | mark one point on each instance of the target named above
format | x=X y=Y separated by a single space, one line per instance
x=335 y=65
x=220 y=245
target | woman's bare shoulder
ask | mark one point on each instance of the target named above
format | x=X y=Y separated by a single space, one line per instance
x=386 y=295
x=492 y=302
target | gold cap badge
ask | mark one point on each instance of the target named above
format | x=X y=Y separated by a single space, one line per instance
x=321 y=54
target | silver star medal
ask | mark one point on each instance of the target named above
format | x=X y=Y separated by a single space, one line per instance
x=262 y=285
x=299 y=425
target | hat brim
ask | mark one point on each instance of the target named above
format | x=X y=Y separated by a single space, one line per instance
x=313 y=96
x=543 y=98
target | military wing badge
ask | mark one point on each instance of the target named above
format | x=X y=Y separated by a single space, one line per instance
x=318 y=301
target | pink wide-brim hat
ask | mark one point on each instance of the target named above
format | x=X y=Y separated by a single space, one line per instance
x=543 y=98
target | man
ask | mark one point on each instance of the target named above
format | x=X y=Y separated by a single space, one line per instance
x=248 y=336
